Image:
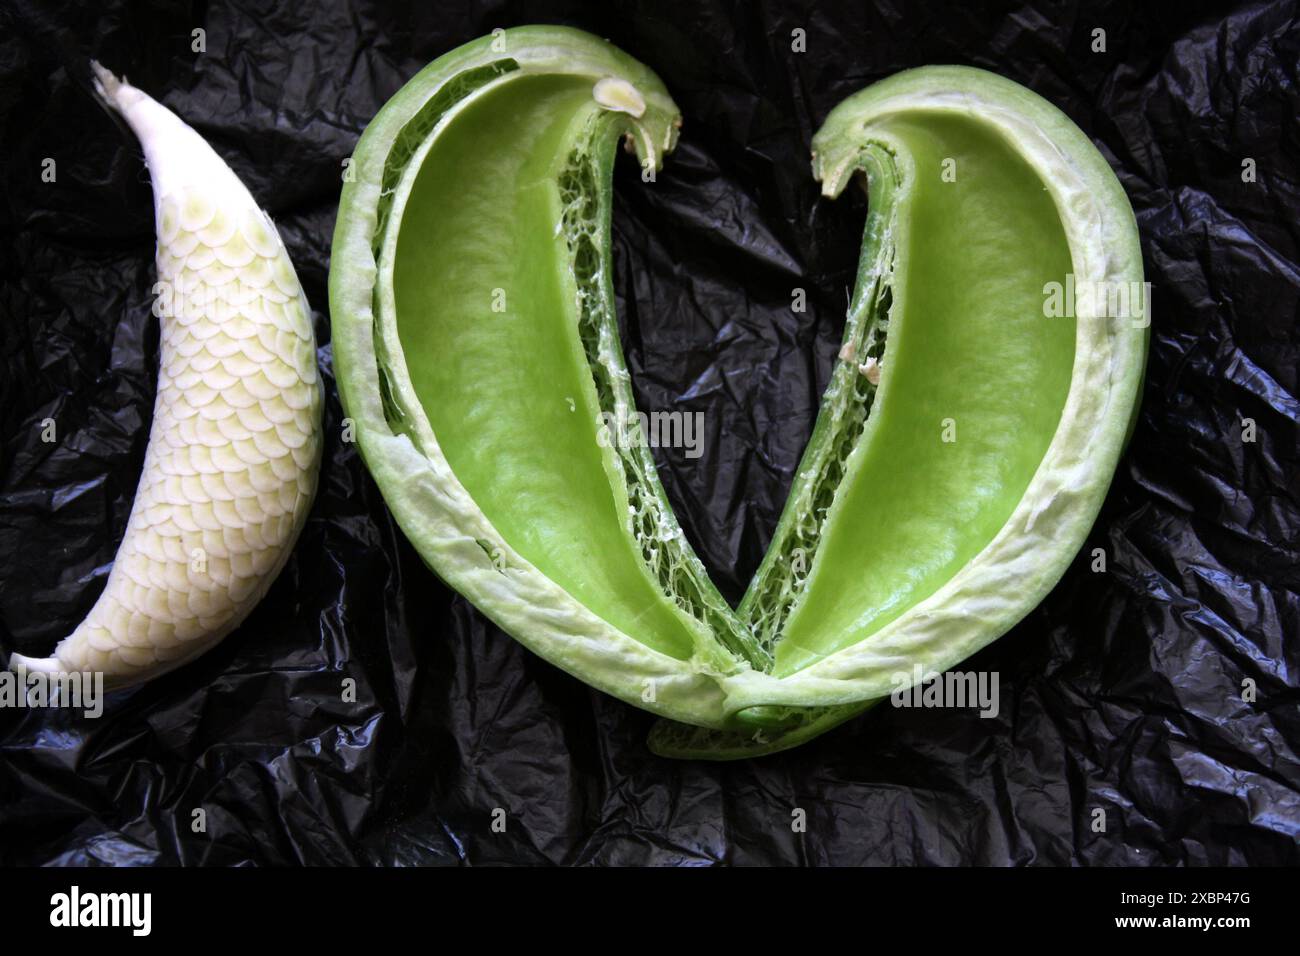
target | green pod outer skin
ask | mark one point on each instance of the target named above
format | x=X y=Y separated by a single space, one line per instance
x=428 y=500
x=799 y=656
x=1023 y=561
x=1031 y=551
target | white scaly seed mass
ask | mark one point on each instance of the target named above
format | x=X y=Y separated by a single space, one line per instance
x=230 y=469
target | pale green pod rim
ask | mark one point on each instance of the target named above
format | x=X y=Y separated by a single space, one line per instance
x=429 y=502
x=1015 y=571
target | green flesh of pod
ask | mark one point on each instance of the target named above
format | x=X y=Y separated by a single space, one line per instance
x=493 y=176
x=964 y=443
x=968 y=345
x=518 y=184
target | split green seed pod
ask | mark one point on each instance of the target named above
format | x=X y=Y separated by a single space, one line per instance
x=961 y=454
x=234 y=448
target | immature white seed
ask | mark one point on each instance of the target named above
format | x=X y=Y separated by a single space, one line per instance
x=614 y=93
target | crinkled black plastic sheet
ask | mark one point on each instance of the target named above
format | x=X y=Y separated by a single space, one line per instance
x=1123 y=691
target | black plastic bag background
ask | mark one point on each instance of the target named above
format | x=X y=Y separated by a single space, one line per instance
x=1121 y=693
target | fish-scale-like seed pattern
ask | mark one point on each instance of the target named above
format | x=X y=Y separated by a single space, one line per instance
x=229 y=472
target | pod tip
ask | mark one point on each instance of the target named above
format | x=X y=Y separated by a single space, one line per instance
x=106 y=84
x=48 y=665
x=113 y=90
